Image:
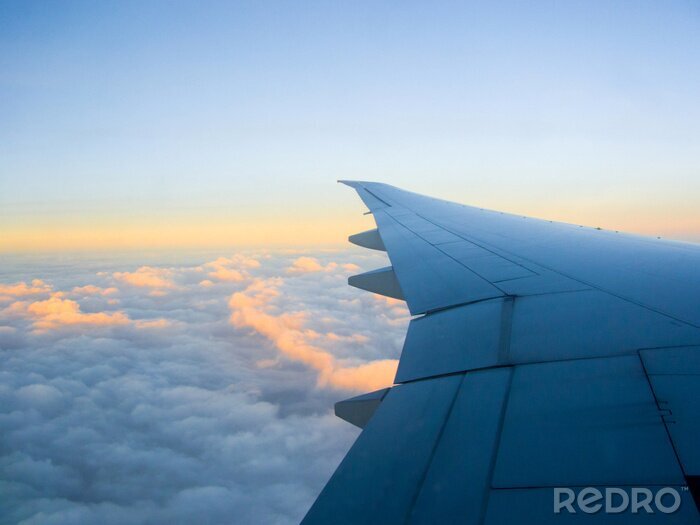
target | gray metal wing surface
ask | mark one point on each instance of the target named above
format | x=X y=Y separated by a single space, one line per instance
x=541 y=356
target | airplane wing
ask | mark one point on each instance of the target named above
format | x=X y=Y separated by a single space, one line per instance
x=545 y=364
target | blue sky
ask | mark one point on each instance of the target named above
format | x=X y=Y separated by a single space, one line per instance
x=161 y=386
x=129 y=114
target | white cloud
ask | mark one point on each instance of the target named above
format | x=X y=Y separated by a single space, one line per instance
x=306 y=264
x=159 y=410
x=232 y=269
x=9 y=292
x=91 y=289
x=147 y=277
x=288 y=331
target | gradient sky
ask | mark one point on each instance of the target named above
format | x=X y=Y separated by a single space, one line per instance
x=133 y=124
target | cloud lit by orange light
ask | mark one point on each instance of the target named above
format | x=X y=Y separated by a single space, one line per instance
x=22 y=289
x=91 y=289
x=147 y=277
x=55 y=311
x=287 y=332
x=306 y=264
x=230 y=269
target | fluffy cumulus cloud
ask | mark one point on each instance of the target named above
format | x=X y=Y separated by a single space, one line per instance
x=289 y=332
x=233 y=269
x=91 y=289
x=185 y=388
x=22 y=289
x=147 y=277
x=306 y=264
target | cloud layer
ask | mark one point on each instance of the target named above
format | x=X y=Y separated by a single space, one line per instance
x=185 y=388
x=251 y=308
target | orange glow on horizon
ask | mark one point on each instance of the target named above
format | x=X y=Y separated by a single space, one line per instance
x=179 y=232
x=318 y=228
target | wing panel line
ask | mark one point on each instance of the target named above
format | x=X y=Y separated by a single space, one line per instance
x=581 y=281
